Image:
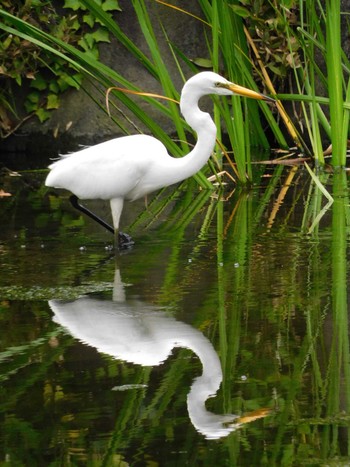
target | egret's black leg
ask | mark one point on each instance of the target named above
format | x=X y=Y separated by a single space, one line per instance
x=124 y=240
x=75 y=203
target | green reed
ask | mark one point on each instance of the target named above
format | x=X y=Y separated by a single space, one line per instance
x=315 y=208
x=305 y=78
x=229 y=53
x=324 y=71
x=335 y=81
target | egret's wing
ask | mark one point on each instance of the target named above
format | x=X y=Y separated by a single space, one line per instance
x=108 y=170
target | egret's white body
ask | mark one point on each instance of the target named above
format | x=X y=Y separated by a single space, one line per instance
x=129 y=167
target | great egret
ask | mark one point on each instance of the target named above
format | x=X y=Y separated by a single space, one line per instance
x=130 y=167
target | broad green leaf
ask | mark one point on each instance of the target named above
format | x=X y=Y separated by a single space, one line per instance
x=74 y=5
x=42 y=114
x=277 y=70
x=241 y=11
x=7 y=42
x=111 y=5
x=78 y=80
x=101 y=35
x=87 y=42
x=53 y=101
x=66 y=81
x=53 y=87
x=32 y=102
x=18 y=80
x=203 y=62
x=92 y=54
x=62 y=82
x=38 y=3
x=89 y=20
x=38 y=83
x=33 y=97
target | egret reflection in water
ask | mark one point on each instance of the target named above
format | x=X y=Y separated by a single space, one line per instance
x=136 y=332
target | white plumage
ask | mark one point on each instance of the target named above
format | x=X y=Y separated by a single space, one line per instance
x=132 y=166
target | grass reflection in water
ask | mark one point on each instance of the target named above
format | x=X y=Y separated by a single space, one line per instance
x=265 y=296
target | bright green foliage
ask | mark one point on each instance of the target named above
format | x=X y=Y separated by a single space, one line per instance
x=269 y=24
x=229 y=55
x=321 y=69
x=25 y=64
x=304 y=37
x=335 y=82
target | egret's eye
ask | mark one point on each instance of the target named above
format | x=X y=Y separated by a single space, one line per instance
x=219 y=84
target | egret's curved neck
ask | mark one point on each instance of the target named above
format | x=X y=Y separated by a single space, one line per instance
x=203 y=125
x=200 y=121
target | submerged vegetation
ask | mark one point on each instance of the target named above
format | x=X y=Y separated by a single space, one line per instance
x=276 y=46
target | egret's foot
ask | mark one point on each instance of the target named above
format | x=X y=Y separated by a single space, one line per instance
x=124 y=241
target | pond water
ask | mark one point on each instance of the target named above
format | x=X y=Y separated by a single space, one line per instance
x=221 y=338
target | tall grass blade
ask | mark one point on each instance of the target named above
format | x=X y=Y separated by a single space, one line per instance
x=335 y=81
x=318 y=183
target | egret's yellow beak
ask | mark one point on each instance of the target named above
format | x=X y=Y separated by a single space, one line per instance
x=242 y=91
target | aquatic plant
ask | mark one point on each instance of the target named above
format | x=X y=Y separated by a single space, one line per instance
x=321 y=75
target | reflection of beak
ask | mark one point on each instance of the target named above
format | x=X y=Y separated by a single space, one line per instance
x=241 y=91
x=255 y=415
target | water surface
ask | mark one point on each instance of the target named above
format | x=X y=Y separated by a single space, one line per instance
x=221 y=338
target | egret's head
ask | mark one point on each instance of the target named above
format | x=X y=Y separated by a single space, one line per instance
x=212 y=83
